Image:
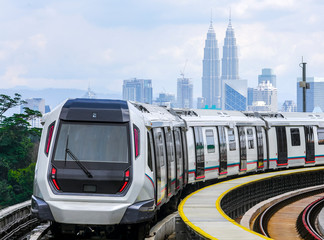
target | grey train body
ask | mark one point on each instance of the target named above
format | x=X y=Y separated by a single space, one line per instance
x=112 y=162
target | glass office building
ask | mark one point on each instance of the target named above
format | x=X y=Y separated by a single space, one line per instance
x=314 y=95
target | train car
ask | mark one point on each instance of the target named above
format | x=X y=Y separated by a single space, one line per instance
x=110 y=163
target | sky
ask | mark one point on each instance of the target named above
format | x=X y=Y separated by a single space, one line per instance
x=99 y=43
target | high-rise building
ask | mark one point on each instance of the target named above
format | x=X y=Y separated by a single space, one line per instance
x=36 y=104
x=211 y=85
x=230 y=63
x=314 y=95
x=234 y=95
x=165 y=99
x=264 y=98
x=234 y=90
x=289 y=106
x=250 y=96
x=184 y=93
x=267 y=75
x=139 y=90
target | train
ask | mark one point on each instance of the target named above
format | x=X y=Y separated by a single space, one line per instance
x=110 y=163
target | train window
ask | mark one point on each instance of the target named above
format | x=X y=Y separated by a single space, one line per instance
x=49 y=137
x=231 y=139
x=177 y=139
x=149 y=151
x=250 y=138
x=161 y=149
x=222 y=150
x=169 y=145
x=93 y=142
x=320 y=134
x=295 y=137
x=136 y=140
x=210 y=141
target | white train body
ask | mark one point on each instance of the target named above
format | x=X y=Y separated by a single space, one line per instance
x=108 y=162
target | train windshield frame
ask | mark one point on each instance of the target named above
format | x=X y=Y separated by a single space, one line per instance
x=92 y=143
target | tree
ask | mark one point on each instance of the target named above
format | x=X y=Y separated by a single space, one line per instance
x=17 y=143
x=6 y=102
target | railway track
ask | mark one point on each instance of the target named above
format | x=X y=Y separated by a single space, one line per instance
x=16 y=222
x=306 y=222
x=279 y=221
x=20 y=229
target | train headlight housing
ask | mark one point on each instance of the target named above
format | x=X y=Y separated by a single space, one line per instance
x=53 y=177
x=126 y=180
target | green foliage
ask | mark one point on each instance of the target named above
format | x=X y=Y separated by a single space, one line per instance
x=17 y=147
x=6 y=102
x=21 y=181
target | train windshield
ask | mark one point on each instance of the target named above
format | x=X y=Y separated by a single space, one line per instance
x=106 y=143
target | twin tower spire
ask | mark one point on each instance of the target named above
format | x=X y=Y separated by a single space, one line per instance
x=212 y=80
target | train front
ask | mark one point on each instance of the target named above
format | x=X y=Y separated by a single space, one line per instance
x=86 y=164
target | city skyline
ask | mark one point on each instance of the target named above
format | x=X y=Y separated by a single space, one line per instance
x=76 y=43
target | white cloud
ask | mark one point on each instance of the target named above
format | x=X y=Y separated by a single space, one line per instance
x=12 y=76
x=39 y=41
x=66 y=44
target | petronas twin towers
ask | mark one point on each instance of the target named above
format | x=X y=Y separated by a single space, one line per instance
x=212 y=82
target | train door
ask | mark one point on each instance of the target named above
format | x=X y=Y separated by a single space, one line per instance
x=160 y=163
x=179 y=157
x=282 y=146
x=260 y=147
x=171 y=168
x=151 y=157
x=242 y=144
x=310 y=148
x=222 y=151
x=185 y=157
x=200 y=158
x=211 y=152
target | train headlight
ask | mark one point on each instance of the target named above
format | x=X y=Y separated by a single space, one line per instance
x=53 y=177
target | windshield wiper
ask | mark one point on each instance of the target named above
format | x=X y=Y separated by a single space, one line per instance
x=85 y=170
x=68 y=152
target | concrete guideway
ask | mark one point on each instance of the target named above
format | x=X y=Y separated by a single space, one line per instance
x=202 y=212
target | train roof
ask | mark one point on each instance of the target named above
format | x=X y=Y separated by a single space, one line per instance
x=218 y=117
x=157 y=116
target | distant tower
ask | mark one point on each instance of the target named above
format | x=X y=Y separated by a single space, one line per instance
x=264 y=98
x=315 y=97
x=211 y=85
x=139 y=90
x=37 y=104
x=267 y=76
x=184 y=93
x=234 y=90
x=230 y=64
x=90 y=94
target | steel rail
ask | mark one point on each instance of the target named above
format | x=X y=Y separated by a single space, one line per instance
x=261 y=223
x=306 y=225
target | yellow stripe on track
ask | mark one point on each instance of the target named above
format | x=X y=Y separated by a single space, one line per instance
x=218 y=200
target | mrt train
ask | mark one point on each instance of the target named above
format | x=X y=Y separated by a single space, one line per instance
x=113 y=162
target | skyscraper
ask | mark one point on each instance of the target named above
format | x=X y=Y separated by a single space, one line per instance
x=265 y=96
x=234 y=95
x=36 y=104
x=267 y=75
x=289 y=106
x=230 y=65
x=234 y=90
x=139 y=90
x=165 y=99
x=184 y=93
x=211 y=85
x=314 y=95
